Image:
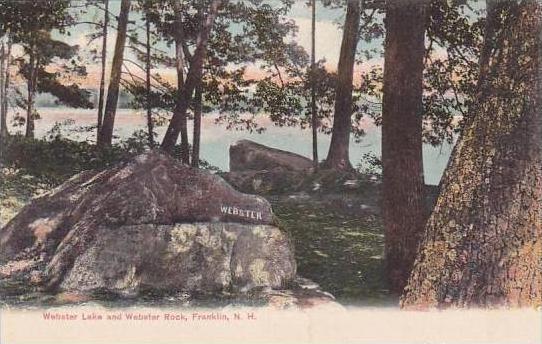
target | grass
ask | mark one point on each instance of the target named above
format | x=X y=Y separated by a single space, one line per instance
x=339 y=248
x=16 y=190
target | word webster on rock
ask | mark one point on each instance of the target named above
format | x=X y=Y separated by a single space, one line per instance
x=256 y=215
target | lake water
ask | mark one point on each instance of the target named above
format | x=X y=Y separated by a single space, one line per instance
x=215 y=139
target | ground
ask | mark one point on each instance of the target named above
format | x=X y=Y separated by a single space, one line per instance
x=338 y=245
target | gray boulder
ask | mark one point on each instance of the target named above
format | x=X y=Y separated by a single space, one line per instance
x=248 y=155
x=258 y=169
x=149 y=223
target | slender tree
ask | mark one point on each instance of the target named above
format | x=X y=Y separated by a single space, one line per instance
x=338 y=154
x=6 y=85
x=3 y=122
x=178 y=121
x=402 y=163
x=31 y=89
x=482 y=245
x=180 y=41
x=198 y=99
x=196 y=141
x=314 y=110
x=103 y=65
x=105 y=135
x=150 y=124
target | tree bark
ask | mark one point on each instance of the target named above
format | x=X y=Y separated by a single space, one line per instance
x=5 y=85
x=314 y=112
x=179 y=65
x=3 y=122
x=150 y=125
x=403 y=208
x=105 y=135
x=482 y=245
x=198 y=98
x=185 y=95
x=338 y=154
x=104 y=63
x=31 y=90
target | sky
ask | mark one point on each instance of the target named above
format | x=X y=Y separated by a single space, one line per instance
x=328 y=38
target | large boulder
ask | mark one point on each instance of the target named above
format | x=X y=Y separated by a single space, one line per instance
x=149 y=223
x=248 y=155
x=259 y=169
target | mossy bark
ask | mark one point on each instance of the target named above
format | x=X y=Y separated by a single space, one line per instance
x=482 y=246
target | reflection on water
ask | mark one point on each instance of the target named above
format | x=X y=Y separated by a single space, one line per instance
x=215 y=139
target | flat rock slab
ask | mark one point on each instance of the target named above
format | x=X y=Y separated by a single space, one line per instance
x=117 y=229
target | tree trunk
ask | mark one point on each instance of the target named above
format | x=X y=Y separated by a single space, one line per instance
x=314 y=112
x=31 y=90
x=337 y=157
x=403 y=181
x=150 y=126
x=105 y=135
x=185 y=95
x=198 y=98
x=482 y=245
x=3 y=122
x=179 y=64
x=5 y=86
x=104 y=63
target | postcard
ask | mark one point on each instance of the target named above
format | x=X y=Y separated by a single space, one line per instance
x=270 y=171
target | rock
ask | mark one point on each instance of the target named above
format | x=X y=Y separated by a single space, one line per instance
x=351 y=184
x=255 y=168
x=248 y=155
x=277 y=180
x=200 y=257
x=151 y=223
x=303 y=293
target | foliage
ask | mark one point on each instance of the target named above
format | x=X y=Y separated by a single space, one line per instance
x=454 y=36
x=370 y=165
x=29 y=24
x=53 y=159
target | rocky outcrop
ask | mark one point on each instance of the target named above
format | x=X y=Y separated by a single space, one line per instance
x=149 y=223
x=248 y=155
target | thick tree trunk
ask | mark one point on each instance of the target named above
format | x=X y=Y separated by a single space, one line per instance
x=403 y=181
x=150 y=125
x=314 y=112
x=185 y=95
x=31 y=90
x=338 y=156
x=483 y=243
x=105 y=135
x=104 y=63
